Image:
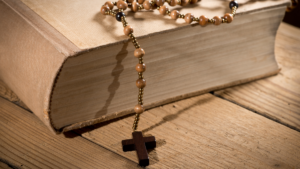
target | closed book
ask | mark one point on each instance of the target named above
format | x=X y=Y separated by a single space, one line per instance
x=74 y=67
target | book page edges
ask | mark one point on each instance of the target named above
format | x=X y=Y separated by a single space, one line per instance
x=166 y=101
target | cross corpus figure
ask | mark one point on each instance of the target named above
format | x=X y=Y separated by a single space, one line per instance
x=140 y=144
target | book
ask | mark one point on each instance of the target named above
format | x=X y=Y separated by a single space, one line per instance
x=74 y=67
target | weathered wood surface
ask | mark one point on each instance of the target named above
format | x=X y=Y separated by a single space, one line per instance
x=206 y=132
x=277 y=97
x=4 y=166
x=25 y=142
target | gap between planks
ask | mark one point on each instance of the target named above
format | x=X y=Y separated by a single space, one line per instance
x=255 y=111
x=205 y=131
x=5 y=165
x=26 y=142
x=276 y=97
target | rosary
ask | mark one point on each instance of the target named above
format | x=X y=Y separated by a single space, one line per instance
x=139 y=143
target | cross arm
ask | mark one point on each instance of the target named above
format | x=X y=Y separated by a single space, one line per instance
x=128 y=145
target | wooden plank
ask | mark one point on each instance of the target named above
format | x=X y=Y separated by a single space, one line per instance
x=277 y=97
x=205 y=132
x=25 y=142
x=4 y=166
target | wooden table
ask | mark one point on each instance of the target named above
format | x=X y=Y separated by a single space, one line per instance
x=256 y=125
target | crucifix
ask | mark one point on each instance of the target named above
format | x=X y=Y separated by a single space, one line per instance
x=140 y=144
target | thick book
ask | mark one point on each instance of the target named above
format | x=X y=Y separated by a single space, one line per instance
x=74 y=67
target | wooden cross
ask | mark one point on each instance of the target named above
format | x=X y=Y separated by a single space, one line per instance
x=140 y=144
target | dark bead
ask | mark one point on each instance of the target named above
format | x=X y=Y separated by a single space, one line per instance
x=233 y=4
x=119 y=16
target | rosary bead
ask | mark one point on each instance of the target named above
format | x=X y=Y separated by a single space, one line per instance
x=218 y=20
x=128 y=30
x=184 y=2
x=119 y=16
x=160 y=2
x=122 y=5
x=109 y=4
x=104 y=9
x=163 y=10
x=188 y=18
x=173 y=2
x=139 y=109
x=135 y=6
x=141 y=1
x=203 y=20
x=154 y=6
x=140 y=67
x=140 y=83
x=147 y=5
x=233 y=4
x=228 y=17
x=174 y=14
x=138 y=53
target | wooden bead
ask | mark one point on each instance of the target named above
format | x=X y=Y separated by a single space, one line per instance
x=194 y=1
x=135 y=6
x=129 y=1
x=140 y=83
x=140 y=67
x=141 y=1
x=173 y=2
x=184 y=2
x=104 y=8
x=138 y=109
x=188 y=18
x=109 y=4
x=228 y=17
x=163 y=10
x=128 y=30
x=160 y=2
x=122 y=5
x=174 y=14
x=147 y=5
x=218 y=20
x=203 y=20
x=138 y=53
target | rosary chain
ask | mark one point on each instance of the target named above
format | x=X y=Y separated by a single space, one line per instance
x=139 y=52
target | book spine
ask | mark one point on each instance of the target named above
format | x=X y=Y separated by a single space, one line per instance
x=29 y=59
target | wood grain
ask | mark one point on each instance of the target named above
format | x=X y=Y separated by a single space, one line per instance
x=276 y=97
x=4 y=166
x=25 y=142
x=206 y=132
